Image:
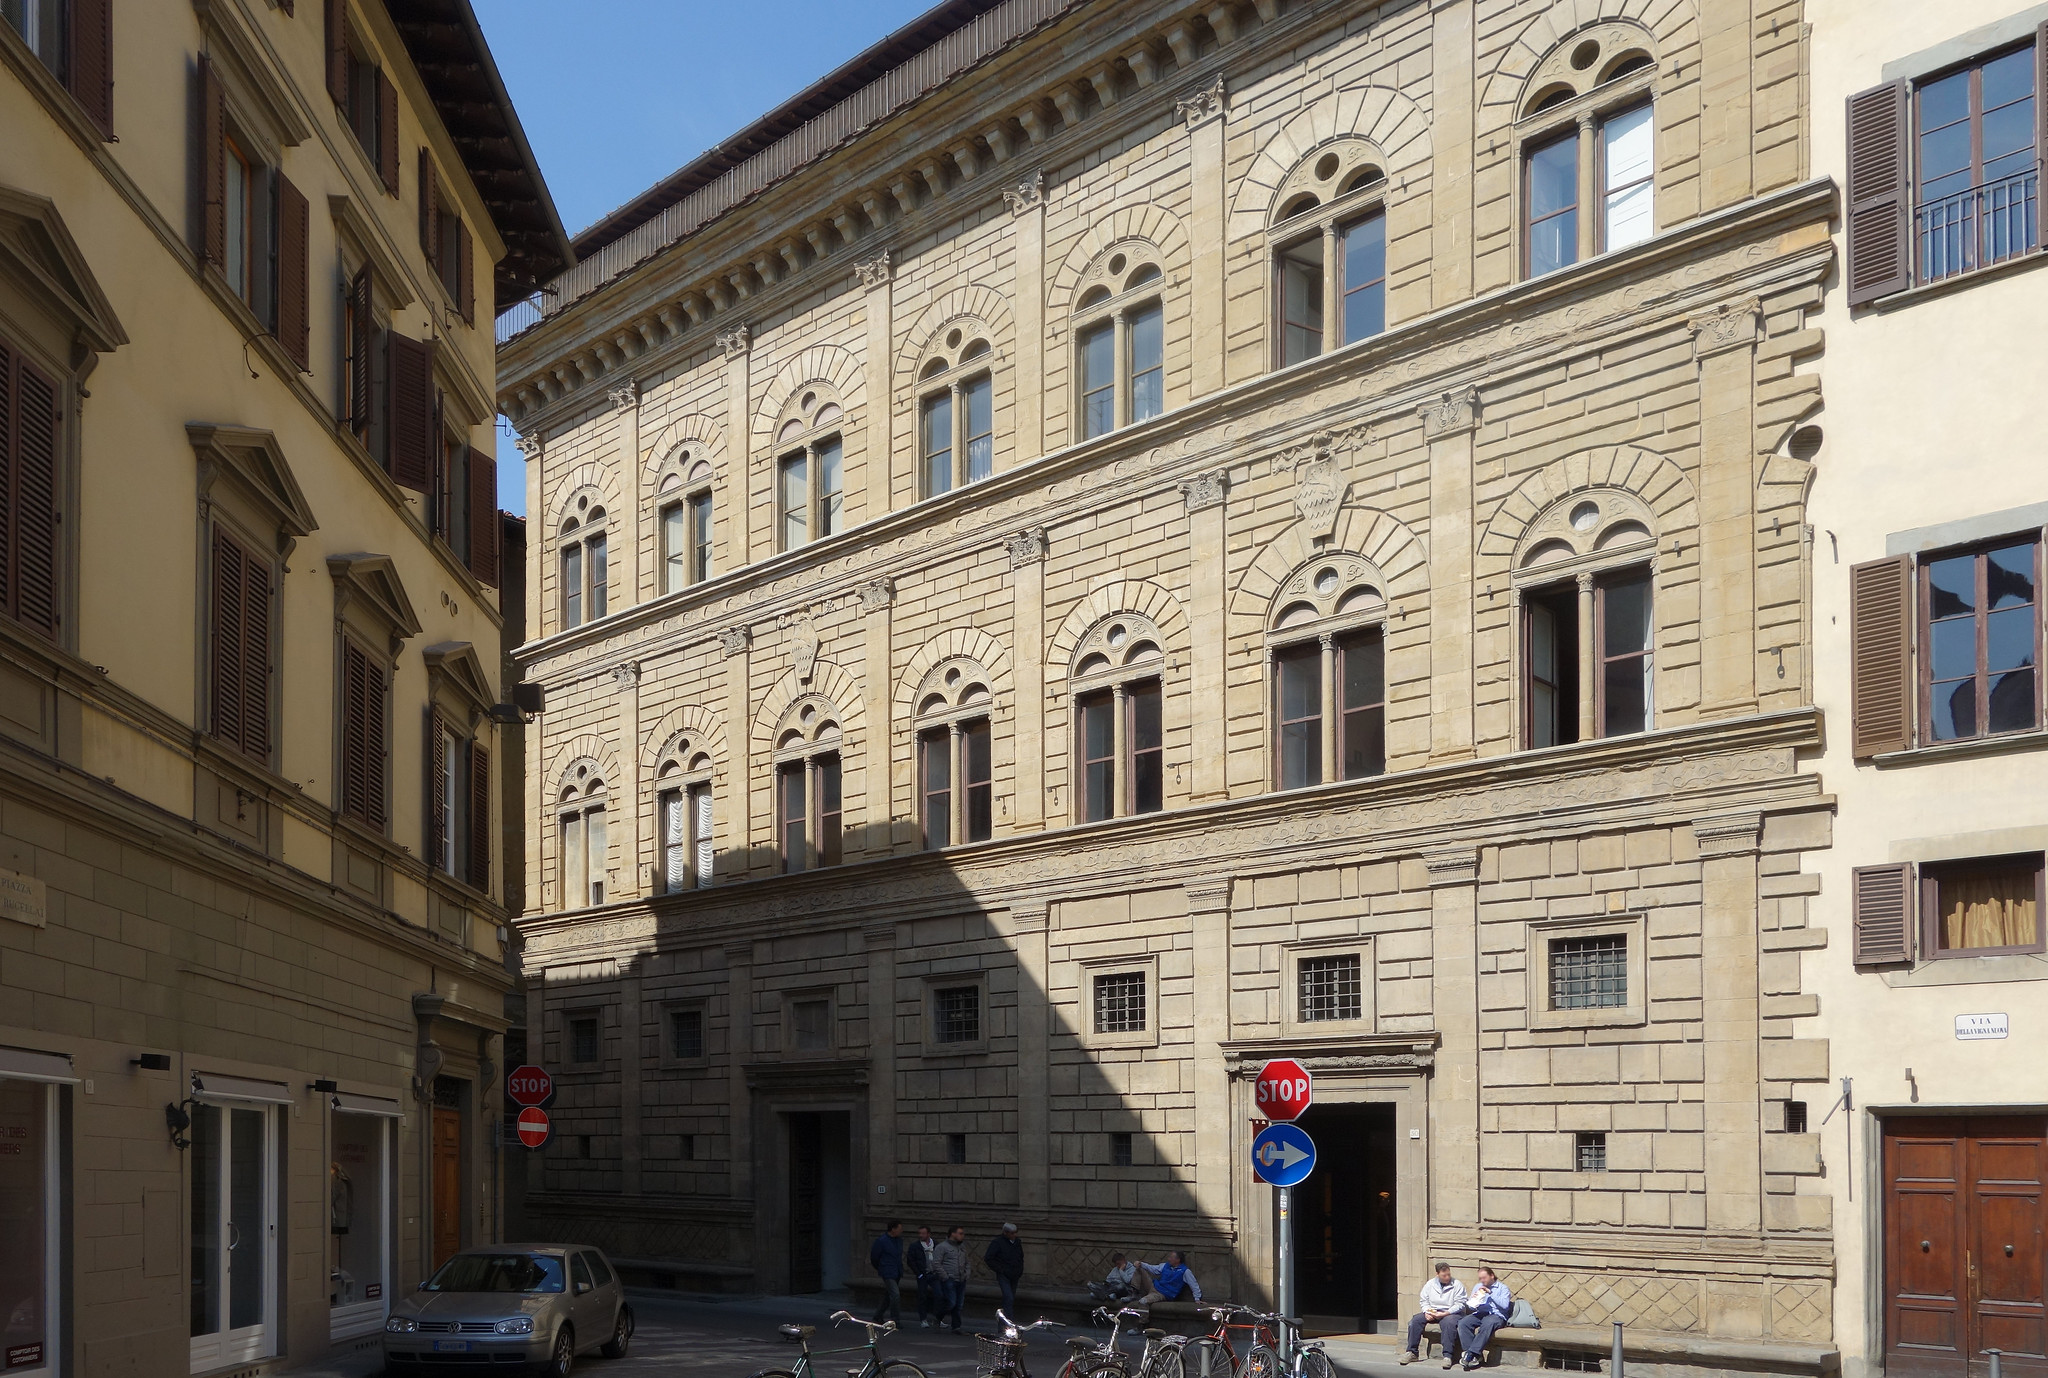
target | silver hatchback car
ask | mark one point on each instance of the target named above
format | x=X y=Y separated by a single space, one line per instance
x=511 y=1307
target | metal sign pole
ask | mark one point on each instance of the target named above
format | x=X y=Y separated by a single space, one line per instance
x=1284 y=1271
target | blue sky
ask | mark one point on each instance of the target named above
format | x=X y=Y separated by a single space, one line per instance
x=630 y=90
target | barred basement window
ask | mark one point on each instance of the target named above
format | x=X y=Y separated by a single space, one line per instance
x=1571 y=1361
x=956 y=1148
x=583 y=1042
x=686 y=1148
x=1795 y=1117
x=1590 y=1153
x=1331 y=988
x=1120 y=1003
x=956 y=1014
x=686 y=1033
x=1589 y=973
x=1120 y=1150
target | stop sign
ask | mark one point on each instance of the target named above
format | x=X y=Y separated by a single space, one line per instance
x=1283 y=1089
x=530 y=1085
x=534 y=1129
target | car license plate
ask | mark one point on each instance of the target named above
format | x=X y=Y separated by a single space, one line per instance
x=451 y=1346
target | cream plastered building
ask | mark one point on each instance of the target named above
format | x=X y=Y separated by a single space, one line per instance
x=1927 y=637
x=1105 y=543
x=252 y=945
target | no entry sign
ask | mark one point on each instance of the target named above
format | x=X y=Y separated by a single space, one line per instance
x=1283 y=1089
x=530 y=1085
x=534 y=1129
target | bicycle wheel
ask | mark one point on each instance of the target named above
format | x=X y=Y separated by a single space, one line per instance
x=1212 y=1359
x=772 y=1373
x=1168 y=1363
x=1261 y=1362
x=1316 y=1364
x=903 y=1368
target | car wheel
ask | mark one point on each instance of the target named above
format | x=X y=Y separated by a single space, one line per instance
x=564 y=1357
x=622 y=1335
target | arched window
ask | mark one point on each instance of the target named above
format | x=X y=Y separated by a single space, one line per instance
x=1119 y=341
x=585 y=854
x=955 y=755
x=1588 y=127
x=810 y=479
x=682 y=811
x=1583 y=578
x=956 y=412
x=1326 y=650
x=684 y=508
x=1329 y=241
x=585 y=595
x=807 y=769
x=1117 y=684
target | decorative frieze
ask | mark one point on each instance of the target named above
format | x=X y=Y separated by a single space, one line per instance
x=1026 y=547
x=1454 y=412
x=1206 y=489
x=1200 y=106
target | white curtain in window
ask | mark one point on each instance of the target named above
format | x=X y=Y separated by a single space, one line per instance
x=701 y=797
x=1630 y=156
x=674 y=850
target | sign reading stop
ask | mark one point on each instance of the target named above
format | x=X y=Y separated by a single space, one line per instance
x=530 y=1085
x=1283 y=1089
x=534 y=1129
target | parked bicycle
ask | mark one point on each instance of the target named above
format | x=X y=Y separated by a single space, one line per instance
x=875 y=1367
x=1002 y=1356
x=1215 y=1355
x=1086 y=1358
x=1291 y=1356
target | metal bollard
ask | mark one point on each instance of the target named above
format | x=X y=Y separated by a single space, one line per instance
x=1996 y=1356
x=1617 y=1351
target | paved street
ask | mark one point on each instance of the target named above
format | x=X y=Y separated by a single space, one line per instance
x=734 y=1337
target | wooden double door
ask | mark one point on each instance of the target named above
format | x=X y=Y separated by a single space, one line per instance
x=1966 y=1262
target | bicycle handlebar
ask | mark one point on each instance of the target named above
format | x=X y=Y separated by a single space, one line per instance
x=841 y=1317
x=1040 y=1324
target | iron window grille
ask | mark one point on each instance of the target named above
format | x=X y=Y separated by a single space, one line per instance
x=1120 y=1149
x=583 y=1043
x=1331 y=988
x=956 y=1148
x=956 y=1014
x=686 y=1033
x=1590 y=1153
x=1589 y=973
x=1120 y=1003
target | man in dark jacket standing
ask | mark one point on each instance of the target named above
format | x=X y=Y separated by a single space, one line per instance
x=918 y=1260
x=1005 y=1258
x=885 y=1255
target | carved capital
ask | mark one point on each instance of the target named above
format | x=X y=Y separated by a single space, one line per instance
x=1030 y=916
x=736 y=340
x=874 y=272
x=877 y=594
x=529 y=445
x=1209 y=895
x=626 y=676
x=1199 y=107
x=1205 y=490
x=1453 y=866
x=734 y=641
x=739 y=952
x=1452 y=414
x=1730 y=835
x=1731 y=325
x=1026 y=547
x=624 y=396
x=1027 y=195
x=879 y=937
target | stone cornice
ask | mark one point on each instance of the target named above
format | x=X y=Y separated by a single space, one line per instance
x=1664 y=778
x=1375 y=1052
x=1488 y=341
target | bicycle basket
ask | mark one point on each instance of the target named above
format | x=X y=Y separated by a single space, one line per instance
x=992 y=1355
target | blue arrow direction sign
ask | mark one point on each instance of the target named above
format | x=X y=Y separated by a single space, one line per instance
x=1283 y=1155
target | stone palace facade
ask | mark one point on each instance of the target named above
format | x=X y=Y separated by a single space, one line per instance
x=1106 y=542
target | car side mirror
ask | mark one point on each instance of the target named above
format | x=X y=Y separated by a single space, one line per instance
x=583 y=1287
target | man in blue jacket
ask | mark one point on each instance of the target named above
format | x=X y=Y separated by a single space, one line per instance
x=1487 y=1307
x=885 y=1255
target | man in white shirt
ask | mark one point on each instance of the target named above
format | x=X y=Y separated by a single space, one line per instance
x=1441 y=1295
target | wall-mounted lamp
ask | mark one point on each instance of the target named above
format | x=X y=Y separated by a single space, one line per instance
x=179 y=1120
x=151 y=1062
x=324 y=1087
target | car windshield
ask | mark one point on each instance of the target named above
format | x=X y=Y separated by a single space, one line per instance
x=497 y=1273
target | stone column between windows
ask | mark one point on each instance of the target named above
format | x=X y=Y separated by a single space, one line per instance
x=636 y=819
x=1120 y=752
x=1209 y=919
x=1454 y=1102
x=1207 y=232
x=1724 y=342
x=1326 y=645
x=877 y=445
x=1027 y=204
x=1451 y=117
x=1205 y=497
x=1027 y=640
x=878 y=778
x=1119 y=370
x=883 y=1192
x=1333 y=295
x=739 y=1047
x=739 y=452
x=732 y=798
x=1589 y=662
x=1028 y=923
x=631 y=1053
x=956 y=798
x=632 y=574
x=1729 y=1019
x=1589 y=187
x=1448 y=424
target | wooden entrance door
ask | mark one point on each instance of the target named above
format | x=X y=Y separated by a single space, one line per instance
x=447 y=1183
x=1966 y=1246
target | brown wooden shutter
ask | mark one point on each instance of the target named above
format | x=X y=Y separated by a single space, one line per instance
x=480 y=815
x=1880 y=657
x=483 y=517
x=1881 y=900
x=9 y=408
x=362 y=735
x=430 y=211
x=337 y=51
x=92 y=61
x=31 y=518
x=294 y=273
x=1880 y=259
x=256 y=657
x=290 y=8
x=465 y=272
x=410 y=410
x=387 y=132
x=213 y=166
x=374 y=706
x=437 y=802
x=227 y=638
x=362 y=326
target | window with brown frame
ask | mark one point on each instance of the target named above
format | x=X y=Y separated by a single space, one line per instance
x=255 y=224
x=74 y=39
x=1350 y=667
x=367 y=98
x=1550 y=191
x=1121 y=740
x=459 y=803
x=240 y=647
x=1621 y=621
x=1980 y=633
x=1613 y=608
x=1550 y=641
x=365 y=686
x=31 y=431
x=809 y=812
x=1981 y=908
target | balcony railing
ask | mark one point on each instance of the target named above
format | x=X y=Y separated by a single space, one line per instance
x=1979 y=227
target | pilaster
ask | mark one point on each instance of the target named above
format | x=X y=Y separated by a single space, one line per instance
x=1203 y=112
x=1206 y=496
x=736 y=345
x=1452 y=103
x=1454 y=1178
x=732 y=800
x=877 y=278
x=1730 y=1019
x=1447 y=426
x=883 y=1191
x=631 y=577
x=1727 y=78
x=1029 y=921
x=1027 y=218
x=1027 y=646
x=639 y=841
x=1209 y=921
x=1724 y=343
x=877 y=604
x=739 y=1048
x=631 y=1055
